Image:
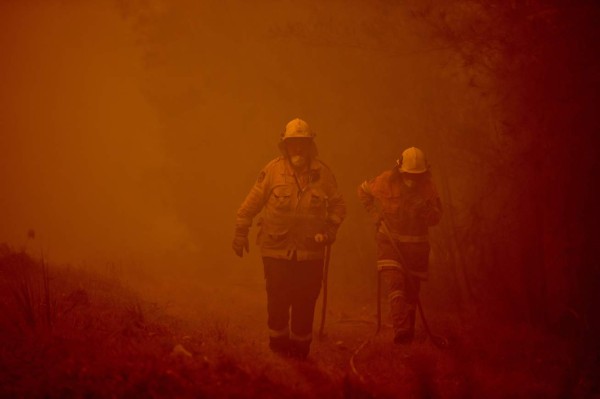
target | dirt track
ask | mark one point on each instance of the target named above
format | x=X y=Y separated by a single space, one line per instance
x=176 y=335
x=490 y=361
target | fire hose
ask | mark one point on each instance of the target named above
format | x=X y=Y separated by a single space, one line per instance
x=438 y=340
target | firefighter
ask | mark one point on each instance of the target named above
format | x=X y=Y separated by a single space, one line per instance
x=301 y=213
x=403 y=203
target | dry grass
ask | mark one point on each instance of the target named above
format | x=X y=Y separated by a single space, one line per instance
x=70 y=333
x=104 y=341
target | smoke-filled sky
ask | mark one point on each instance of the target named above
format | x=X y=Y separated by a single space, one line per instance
x=132 y=130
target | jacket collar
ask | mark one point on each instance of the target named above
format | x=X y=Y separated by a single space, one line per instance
x=314 y=167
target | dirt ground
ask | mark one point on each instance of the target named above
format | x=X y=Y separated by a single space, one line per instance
x=484 y=358
x=106 y=335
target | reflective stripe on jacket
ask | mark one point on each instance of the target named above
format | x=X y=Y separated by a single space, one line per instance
x=291 y=216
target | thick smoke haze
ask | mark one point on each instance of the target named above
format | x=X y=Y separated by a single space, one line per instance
x=133 y=130
x=81 y=147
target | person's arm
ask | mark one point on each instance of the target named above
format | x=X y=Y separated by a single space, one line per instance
x=336 y=211
x=430 y=211
x=251 y=206
x=367 y=199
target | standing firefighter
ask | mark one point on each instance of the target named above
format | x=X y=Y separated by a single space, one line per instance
x=403 y=203
x=301 y=212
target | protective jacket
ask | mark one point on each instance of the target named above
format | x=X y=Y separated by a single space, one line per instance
x=291 y=215
x=408 y=213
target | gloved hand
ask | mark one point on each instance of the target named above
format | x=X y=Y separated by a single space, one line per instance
x=240 y=242
x=321 y=238
x=423 y=209
x=430 y=212
x=376 y=218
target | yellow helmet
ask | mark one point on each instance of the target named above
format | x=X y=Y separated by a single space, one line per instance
x=413 y=161
x=297 y=128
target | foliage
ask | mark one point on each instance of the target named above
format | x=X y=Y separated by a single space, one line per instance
x=523 y=235
x=104 y=341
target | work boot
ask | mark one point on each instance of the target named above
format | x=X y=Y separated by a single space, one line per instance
x=404 y=337
x=280 y=345
x=404 y=332
x=299 y=349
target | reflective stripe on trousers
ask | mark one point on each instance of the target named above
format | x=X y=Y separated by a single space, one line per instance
x=301 y=338
x=403 y=291
x=292 y=290
x=387 y=264
x=284 y=332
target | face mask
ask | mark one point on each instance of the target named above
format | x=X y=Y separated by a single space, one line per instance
x=409 y=182
x=298 y=161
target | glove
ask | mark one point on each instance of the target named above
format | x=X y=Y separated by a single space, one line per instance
x=430 y=212
x=423 y=209
x=327 y=237
x=376 y=218
x=321 y=238
x=239 y=244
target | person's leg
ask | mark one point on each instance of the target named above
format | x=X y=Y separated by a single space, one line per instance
x=417 y=258
x=398 y=271
x=308 y=276
x=412 y=285
x=392 y=274
x=402 y=308
x=277 y=278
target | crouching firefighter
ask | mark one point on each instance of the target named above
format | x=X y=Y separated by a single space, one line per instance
x=403 y=203
x=301 y=213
